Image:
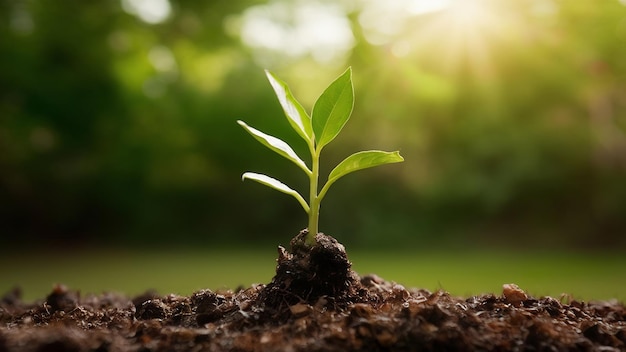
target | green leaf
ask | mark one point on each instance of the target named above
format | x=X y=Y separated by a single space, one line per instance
x=359 y=161
x=277 y=185
x=296 y=115
x=276 y=145
x=332 y=109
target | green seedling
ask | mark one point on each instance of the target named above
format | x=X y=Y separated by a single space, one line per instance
x=330 y=113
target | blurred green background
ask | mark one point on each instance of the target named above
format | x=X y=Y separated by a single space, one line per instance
x=117 y=127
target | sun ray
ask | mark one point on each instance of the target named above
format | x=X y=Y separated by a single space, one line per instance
x=460 y=37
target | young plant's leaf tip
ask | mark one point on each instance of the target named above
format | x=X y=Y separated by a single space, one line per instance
x=332 y=109
x=277 y=185
x=277 y=145
x=295 y=113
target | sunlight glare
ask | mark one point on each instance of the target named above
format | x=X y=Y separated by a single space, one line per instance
x=467 y=14
x=149 y=11
x=417 y=7
x=466 y=30
x=460 y=35
x=383 y=20
x=297 y=29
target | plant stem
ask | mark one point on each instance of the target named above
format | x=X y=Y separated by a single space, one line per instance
x=314 y=210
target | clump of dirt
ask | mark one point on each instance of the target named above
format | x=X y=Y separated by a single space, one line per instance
x=319 y=274
x=314 y=303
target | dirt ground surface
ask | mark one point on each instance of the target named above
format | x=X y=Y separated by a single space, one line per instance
x=310 y=307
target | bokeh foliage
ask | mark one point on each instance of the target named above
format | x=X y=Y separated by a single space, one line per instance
x=114 y=129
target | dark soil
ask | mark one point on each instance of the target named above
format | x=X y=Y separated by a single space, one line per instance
x=314 y=303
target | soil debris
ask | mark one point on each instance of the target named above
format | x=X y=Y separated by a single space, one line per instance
x=301 y=311
x=397 y=319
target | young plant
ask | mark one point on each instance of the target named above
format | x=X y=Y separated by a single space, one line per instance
x=330 y=113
